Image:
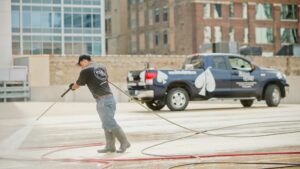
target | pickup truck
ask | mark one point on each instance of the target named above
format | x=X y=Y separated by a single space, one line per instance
x=205 y=77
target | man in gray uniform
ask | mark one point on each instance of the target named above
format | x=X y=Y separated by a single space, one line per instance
x=95 y=77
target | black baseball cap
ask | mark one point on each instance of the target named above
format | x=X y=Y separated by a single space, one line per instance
x=83 y=57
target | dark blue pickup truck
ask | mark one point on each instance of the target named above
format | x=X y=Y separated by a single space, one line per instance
x=205 y=77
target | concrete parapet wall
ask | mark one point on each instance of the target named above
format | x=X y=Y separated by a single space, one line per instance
x=62 y=71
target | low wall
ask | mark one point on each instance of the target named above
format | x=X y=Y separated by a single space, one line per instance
x=62 y=71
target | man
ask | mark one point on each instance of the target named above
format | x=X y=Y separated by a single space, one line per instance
x=95 y=77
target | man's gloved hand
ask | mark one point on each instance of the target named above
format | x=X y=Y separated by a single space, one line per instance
x=70 y=86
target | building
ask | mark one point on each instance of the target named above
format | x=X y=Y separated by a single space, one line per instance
x=184 y=27
x=54 y=27
x=116 y=26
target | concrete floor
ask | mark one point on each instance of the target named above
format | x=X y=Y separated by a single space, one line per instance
x=70 y=133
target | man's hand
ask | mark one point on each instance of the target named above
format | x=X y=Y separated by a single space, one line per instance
x=71 y=86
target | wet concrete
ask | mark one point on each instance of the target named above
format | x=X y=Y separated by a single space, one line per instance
x=69 y=135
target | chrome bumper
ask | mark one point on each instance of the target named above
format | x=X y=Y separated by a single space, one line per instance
x=142 y=94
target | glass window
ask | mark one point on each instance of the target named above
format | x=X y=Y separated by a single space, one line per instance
x=26 y=19
x=288 y=11
x=264 y=35
x=57 y=48
x=263 y=11
x=231 y=34
x=206 y=10
x=57 y=20
x=166 y=38
x=15 y=17
x=96 y=21
x=197 y=62
x=156 y=16
x=68 y=20
x=56 y=1
x=231 y=10
x=166 y=14
x=207 y=34
x=96 y=48
x=46 y=19
x=219 y=62
x=36 y=19
x=87 y=20
x=288 y=35
x=77 y=21
x=133 y=43
x=218 y=34
x=246 y=34
x=150 y=40
x=157 y=39
x=217 y=11
x=245 y=10
x=150 y=14
x=239 y=64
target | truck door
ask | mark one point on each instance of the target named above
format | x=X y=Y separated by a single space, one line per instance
x=222 y=75
x=243 y=80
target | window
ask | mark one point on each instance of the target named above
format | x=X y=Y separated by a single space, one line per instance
x=207 y=34
x=133 y=43
x=239 y=64
x=156 y=15
x=218 y=34
x=150 y=40
x=68 y=20
x=206 y=10
x=246 y=34
x=264 y=35
x=96 y=21
x=231 y=34
x=217 y=11
x=77 y=21
x=219 y=62
x=288 y=11
x=288 y=35
x=57 y=20
x=26 y=18
x=166 y=14
x=157 y=39
x=87 y=20
x=108 y=5
x=196 y=61
x=166 y=38
x=108 y=26
x=150 y=14
x=231 y=10
x=245 y=11
x=263 y=11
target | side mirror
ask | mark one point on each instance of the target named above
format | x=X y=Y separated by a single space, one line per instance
x=189 y=67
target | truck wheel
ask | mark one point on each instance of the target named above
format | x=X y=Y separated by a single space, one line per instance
x=155 y=105
x=177 y=99
x=272 y=95
x=247 y=103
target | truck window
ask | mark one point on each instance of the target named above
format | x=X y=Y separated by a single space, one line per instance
x=219 y=63
x=197 y=61
x=239 y=64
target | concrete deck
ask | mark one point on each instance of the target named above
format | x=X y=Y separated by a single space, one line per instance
x=69 y=135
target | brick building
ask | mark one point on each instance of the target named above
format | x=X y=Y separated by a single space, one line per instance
x=184 y=26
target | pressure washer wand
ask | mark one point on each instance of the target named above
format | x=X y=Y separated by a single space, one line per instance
x=37 y=119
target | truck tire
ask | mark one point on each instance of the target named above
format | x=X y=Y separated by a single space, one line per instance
x=155 y=105
x=272 y=95
x=247 y=103
x=177 y=99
